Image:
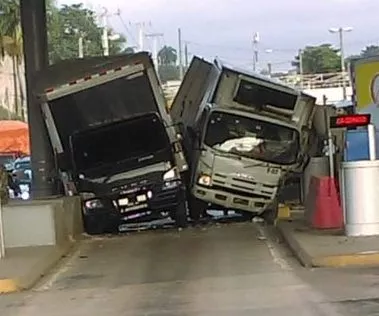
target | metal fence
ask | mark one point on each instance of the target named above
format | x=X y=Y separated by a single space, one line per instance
x=316 y=81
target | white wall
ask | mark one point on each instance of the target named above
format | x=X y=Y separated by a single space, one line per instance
x=6 y=83
x=332 y=94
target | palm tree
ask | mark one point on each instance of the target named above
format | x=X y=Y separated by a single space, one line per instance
x=11 y=45
x=167 y=56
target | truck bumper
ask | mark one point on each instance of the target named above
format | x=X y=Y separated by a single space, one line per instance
x=235 y=201
x=162 y=197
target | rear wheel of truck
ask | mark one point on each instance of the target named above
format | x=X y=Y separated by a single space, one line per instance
x=180 y=215
x=270 y=215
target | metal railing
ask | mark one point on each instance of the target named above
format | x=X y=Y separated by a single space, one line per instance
x=316 y=81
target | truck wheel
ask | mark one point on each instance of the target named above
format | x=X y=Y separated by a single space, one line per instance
x=247 y=216
x=180 y=215
x=93 y=226
x=98 y=226
x=196 y=209
x=271 y=214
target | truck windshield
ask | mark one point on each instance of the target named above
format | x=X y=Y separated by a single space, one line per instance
x=252 y=138
x=133 y=143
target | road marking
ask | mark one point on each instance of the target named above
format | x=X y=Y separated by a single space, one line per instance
x=273 y=249
x=48 y=282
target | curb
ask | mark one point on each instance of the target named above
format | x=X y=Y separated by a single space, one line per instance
x=36 y=272
x=294 y=245
x=333 y=261
x=347 y=260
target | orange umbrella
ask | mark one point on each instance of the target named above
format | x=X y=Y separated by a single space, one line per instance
x=14 y=137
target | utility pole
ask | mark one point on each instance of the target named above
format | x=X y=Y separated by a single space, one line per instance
x=33 y=24
x=301 y=70
x=105 y=39
x=155 y=37
x=186 y=55
x=81 y=45
x=180 y=54
x=269 y=63
x=255 y=48
x=141 y=36
x=340 y=31
x=269 y=69
x=343 y=68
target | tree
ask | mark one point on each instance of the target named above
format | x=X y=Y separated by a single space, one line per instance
x=319 y=59
x=369 y=51
x=11 y=44
x=67 y=25
x=167 y=56
x=129 y=50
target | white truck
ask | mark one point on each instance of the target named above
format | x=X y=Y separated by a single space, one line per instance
x=114 y=141
x=243 y=135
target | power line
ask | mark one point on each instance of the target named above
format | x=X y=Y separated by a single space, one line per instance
x=361 y=43
x=125 y=27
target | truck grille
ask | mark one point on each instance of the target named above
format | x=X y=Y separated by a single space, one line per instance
x=244 y=187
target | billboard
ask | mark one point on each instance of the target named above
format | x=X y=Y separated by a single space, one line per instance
x=365 y=80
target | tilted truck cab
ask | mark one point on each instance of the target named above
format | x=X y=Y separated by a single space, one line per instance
x=243 y=135
x=115 y=143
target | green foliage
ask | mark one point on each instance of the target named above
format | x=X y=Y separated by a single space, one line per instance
x=129 y=50
x=319 y=59
x=167 y=56
x=370 y=51
x=9 y=25
x=70 y=22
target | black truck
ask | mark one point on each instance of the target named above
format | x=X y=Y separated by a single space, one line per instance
x=115 y=144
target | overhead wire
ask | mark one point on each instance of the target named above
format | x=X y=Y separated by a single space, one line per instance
x=127 y=29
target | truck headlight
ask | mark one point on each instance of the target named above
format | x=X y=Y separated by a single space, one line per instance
x=172 y=174
x=92 y=204
x=204 y=179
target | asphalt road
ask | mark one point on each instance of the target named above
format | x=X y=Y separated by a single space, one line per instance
x=233 y=269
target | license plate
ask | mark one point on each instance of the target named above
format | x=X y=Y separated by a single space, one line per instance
x=141 y=198
x=123 y=202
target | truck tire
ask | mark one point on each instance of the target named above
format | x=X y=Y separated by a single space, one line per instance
x=196 y=209
x=98 y=226
x=180 y=215
x=270 y=215
x=93 y=226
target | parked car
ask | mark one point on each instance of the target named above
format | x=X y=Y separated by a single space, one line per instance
x=22 y=170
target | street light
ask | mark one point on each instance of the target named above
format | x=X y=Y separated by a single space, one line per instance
x=340 y=31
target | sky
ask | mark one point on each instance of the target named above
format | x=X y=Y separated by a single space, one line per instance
x=225 y=28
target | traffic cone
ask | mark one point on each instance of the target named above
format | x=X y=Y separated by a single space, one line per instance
x=327 y=210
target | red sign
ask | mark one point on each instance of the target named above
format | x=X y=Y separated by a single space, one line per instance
x=353 y=120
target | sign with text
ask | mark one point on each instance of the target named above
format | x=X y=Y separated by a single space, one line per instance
x=350 y=121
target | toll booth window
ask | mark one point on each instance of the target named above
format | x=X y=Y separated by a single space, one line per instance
x=254 y=95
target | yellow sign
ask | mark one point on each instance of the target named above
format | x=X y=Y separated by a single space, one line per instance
x=366 y=83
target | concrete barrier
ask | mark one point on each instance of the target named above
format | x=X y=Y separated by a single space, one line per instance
x=37 y=235
x=42 y=222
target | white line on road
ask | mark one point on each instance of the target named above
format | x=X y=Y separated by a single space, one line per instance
x=272 y=247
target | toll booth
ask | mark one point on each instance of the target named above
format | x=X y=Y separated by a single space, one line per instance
x=359 y=175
